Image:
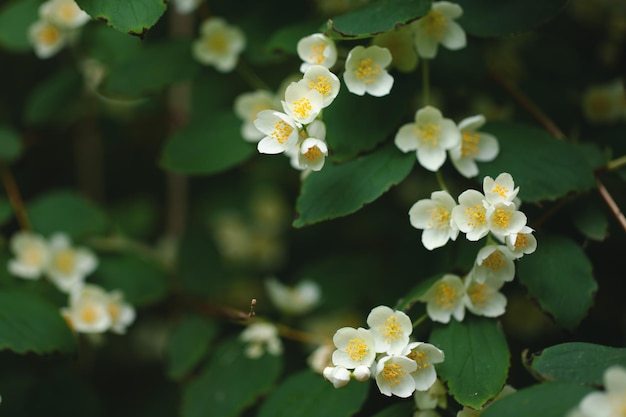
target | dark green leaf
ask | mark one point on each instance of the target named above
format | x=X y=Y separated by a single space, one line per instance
x=342 y=189
x=142 y=282
x=230 y=383
x=581 y=363
x=559 y=276
x=306 y=394
x=207 y=146
x=503 y=18
x=65 y=211
x=590 y=219
x=546 y=400
x=6 y=211
x=43 y=107
x=544 y=168
x=31 y=324
x=15 y=18
x=377 y=17
x=109 y=47
x=188 y=343
x=477 y=359
x=10 y=145
x=199 y=266
x=134 y=17
x=403 y=409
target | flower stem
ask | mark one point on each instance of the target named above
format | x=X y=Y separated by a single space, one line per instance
x=250 y=76
x=15 y=198
x=426 y=81
x=610 y=202
x=420 y=320
x=616 y=163
x=440 y=180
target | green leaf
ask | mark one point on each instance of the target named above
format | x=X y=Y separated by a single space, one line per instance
x=403 y=409
x=559 y=276
x=553 y=399
x=6 y=211
x=15 y=18
x=285 y=39
x=199 y=265
x=590 y=219
x=377 y=17
x=31 y=324
x=306 y=394
x=133 y=17
x=581 y=363
x=65 y=211
x=543 y=167
x=342 y=189
x=151 y=68
x=188 y=343
x=416 y=293
x=143 y=282
x=486 y=18
x=42 y=106
x=230 y=383
x=207 y=146
x=477 y=359
x=10 y=145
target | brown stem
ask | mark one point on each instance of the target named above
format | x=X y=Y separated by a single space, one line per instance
x=608 y=199
x=15 y=198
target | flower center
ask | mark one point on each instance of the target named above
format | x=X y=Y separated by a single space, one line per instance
x=313 y=153
x=435 y=23
x=368 y=71
x=49 y=35
x=65 y=261
x=281 y=131
x=421 y=358
x=217 y=43
x=502 y=218
x=479 y=294
x=68 y=11
x=357 y=349
x=393 y=373
x=31 y=256
x=114 y=311
x=439 y=218
x=302 y=107
x=89 y=314
x=475 y=216
x=391 y=329
x=321 y=84
x=317 y=53
x=495 y=261
x=600 y=105
x=445 y=295
x=521 y=241
x=501 y=190
x=469 y=144
x=430 y=134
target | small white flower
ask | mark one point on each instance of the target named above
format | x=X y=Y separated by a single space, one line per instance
x=320 y=358
x=261 y=337
x=280 y=130
x=604 y=103
x=301 y=104
x=63 y=13
x=393 y=376
x=611 y=402
x=88 y=309
x=366 y=71
x=500 y=190
x=484 y=298
x=316 y=49
x=504 y=220
x=293 y=300
x=474 y=146
x=337 y=375
x=68 y=266
x=494 y=261
x=424 y=355
x=431 y=135
x=470 y=215
x=219 y=44
x=312 y=154
x=391 y=329
x=355 y=347
x=47 y=38
x=402 y=47
x=434 y=216
x=185 y=6
x=122 y=314
x=444 y=299
x=31 y=255
x=362 y=373
x=433 y=397
x=248 y=106
x=521 y=243
x=320 y=78
x=438 y=27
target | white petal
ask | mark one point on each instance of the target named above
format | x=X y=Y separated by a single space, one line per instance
x=454 y=36
x=382 y=86
x=405 y=138
x=431 y=158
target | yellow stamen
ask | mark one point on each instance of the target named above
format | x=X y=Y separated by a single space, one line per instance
x=368 y=71
x=469 y=144
x=313 y=153
x=390 y=329
x=479 y=294
x=217 y=42
x=495 y=261
x=445 y=295
x=317 y=53
x=49 y=35
x=89 y=314
x=521 y=241
x=281 y=131
x=393 y=373
x=501 y=190
x=321 y=84
x=421 y=358
x=31 y=256
x=429 y=133
x=302 y=107
x=502 y=218
x=435 y=23
x=68 y=11
x=439 y=218
x=357 y=349
x=65 y=261
x=475 y=216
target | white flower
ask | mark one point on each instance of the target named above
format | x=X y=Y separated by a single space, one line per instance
x=261 y=337
x=88 y=309
x=521 y=243
x=31 y=255
x=433 y=397
x=362 y=373
x=63 y=13
x=434 y=216
x=185 y=6
x=611 y=402
x=47 y=38
x=402 y=47
x=337 y=375
x=301 y=104
x=391 y=329
x=312 y=154
x=504 y=219
x=494 y=261
x=320 y=358
x=247 y=107
x=470 y=215
x=444 y=299
x=316 y=49
x=68 y=266
x=319 y=78
x=355 y=347
x=438 y=27
x=122 y=314
x=280 y=130
x=424 y=355
x=393 y=376
x=474 y=146
x=604 y=103
x=431 y=135
x=500 y=190
x=219 y=44
x=365 y=71
x=484 y=298
x=293 y=300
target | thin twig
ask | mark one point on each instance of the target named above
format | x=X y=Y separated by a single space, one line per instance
x=15 y=198
x=608 y=199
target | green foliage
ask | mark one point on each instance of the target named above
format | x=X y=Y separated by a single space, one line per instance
x=5 y=210
x=61 y=87
x=134 y=17
x=188 y=343
x=404 y=409
x=10 y=145
x=15 y=18
x=29 y=323
x=590 y=220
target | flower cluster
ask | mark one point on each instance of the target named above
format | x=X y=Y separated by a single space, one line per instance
x=384 y=352
x=91 y=309
x=433 y=137
x=608 y=403
x=297 y=300
x=58 y=24
x=261 y=337
x=493 y=213
x=219 y=44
